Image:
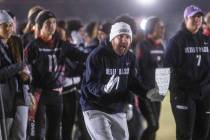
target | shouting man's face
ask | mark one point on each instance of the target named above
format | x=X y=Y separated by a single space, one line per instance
x=121 y=44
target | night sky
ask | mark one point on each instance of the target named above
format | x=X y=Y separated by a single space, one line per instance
x=171 y=11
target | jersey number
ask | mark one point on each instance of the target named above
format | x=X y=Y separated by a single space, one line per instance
x=52 y=63
x=199 y=59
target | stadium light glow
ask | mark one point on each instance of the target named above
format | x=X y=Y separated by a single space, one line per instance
x=146 y=2
x=143 y=24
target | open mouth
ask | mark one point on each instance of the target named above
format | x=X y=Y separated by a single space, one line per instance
x=122 y=47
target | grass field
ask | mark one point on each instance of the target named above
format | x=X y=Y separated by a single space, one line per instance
x=167 y=124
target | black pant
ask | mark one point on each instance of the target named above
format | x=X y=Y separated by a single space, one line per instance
x=151 y=113
x=72 y=115
x=51 y=104
x=191 y=116
x=69 y=112
x=135 y=125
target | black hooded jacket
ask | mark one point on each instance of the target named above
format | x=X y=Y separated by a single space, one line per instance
x=101 y=64
x=188 y=56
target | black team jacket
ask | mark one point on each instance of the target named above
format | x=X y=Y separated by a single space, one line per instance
x=101 y=64
x=188 y=56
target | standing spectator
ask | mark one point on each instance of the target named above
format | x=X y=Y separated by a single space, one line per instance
x=13 y=77
x=150 y=55
x=61 y=30
x=21 y=116
x=103 y=32
x=206 y=31
x=188 y=58
x=90 y=37
x=46 y=55
x=76 y=32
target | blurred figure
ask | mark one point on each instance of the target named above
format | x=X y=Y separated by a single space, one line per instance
x=188 y=58
x=71 y=109
x=61 y=30
x=21 y=115
x=206 y=28
x=76 y=32
x=30 y=31
x=150 y=55
x=103 y=31
x=206 y=31
x=90 y=37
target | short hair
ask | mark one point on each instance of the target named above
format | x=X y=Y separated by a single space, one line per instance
x=61 y=24
x=129 y=20
x=74 y=25
x=91 y=28
x=105 y=27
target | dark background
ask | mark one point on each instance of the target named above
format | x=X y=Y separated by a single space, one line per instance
x=171 y=11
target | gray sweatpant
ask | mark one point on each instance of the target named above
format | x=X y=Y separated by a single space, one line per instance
x=16 y=127
x=8 y=123
x=103 y=126
x=20 y=123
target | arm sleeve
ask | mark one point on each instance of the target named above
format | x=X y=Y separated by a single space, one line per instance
x=141 y=58
x=30 y=54
x=172 y=55
x=9 y=71
x=135 y=83
x=93 y=76
x=74 y=54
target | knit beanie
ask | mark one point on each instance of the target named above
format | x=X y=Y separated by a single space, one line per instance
x=5 y=17
x=120 y=28
x=42 y=17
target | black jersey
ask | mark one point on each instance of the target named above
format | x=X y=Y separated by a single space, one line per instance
x=149 y=57
x=47 y=60
x=188 y=56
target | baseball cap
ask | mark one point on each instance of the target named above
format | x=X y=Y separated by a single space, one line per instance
x=191 y=11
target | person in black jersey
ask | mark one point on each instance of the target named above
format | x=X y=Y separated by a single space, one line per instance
x=46 y=55
x=150 y=55
x=188 y=58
